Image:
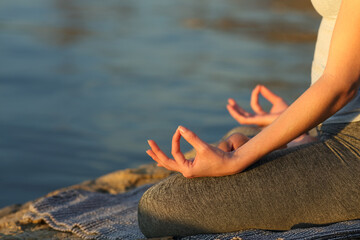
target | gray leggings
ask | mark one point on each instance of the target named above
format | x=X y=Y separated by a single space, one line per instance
x=316 y=183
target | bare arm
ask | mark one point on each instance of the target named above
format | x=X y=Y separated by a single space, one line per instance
x=262 y=118
x=338 y=85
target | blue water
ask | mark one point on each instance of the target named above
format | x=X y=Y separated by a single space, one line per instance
x=84 y=83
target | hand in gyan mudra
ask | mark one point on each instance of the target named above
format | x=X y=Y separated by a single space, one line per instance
x=219 y=160
x=260 y=117
x=209 y=160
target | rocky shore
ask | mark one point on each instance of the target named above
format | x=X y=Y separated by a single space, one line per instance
x=13 y=226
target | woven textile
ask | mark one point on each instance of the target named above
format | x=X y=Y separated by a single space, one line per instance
x=94 y=215
x=91 y=215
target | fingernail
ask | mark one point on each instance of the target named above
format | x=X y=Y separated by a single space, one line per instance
x=148 y=141
x=181 y=129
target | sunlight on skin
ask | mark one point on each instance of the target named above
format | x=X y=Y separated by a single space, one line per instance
x=338 y=85
x=208 y=159
x=228 y=145
x=260 y=118
x=225 y=148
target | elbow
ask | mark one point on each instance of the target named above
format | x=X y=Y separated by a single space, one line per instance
x=346 y=86
x=343 y=96
x=345 y=83
x=351 y=90
x=352 y=94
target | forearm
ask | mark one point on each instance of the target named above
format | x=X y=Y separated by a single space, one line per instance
x=318 y=103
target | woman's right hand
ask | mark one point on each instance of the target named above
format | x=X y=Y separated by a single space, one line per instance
x=260 y=117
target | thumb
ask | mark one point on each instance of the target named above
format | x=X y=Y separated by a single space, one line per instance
x=192 y=138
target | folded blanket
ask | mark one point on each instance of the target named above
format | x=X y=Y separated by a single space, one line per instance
x=94 y=215
x=91 y=215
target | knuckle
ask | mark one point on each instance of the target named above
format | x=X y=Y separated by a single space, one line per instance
x=235 y=136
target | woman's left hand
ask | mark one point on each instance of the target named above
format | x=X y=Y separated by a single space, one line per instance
x=260 y=117
x=209 y=160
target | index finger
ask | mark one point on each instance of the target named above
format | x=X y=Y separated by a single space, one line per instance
x=192 y=138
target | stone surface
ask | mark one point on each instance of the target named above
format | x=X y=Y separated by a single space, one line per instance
x=13 y=226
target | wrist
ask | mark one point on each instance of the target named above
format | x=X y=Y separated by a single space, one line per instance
x=243 y=157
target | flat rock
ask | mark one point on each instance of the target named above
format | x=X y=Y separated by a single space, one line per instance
x=13 y=226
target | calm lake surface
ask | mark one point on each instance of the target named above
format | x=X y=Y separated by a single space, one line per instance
x=84 y=83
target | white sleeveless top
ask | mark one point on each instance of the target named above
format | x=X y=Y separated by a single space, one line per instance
x=329 y=10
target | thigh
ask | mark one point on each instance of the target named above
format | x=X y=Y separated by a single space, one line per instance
x=308 y=184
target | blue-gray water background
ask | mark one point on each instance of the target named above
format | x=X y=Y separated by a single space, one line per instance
x=84 y=83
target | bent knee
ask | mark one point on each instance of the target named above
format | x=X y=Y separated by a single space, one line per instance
x=159 y=210
x=145 y=216
x=155 y=213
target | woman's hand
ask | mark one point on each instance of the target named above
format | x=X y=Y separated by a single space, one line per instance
x=260 y=118
x=209 y=160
